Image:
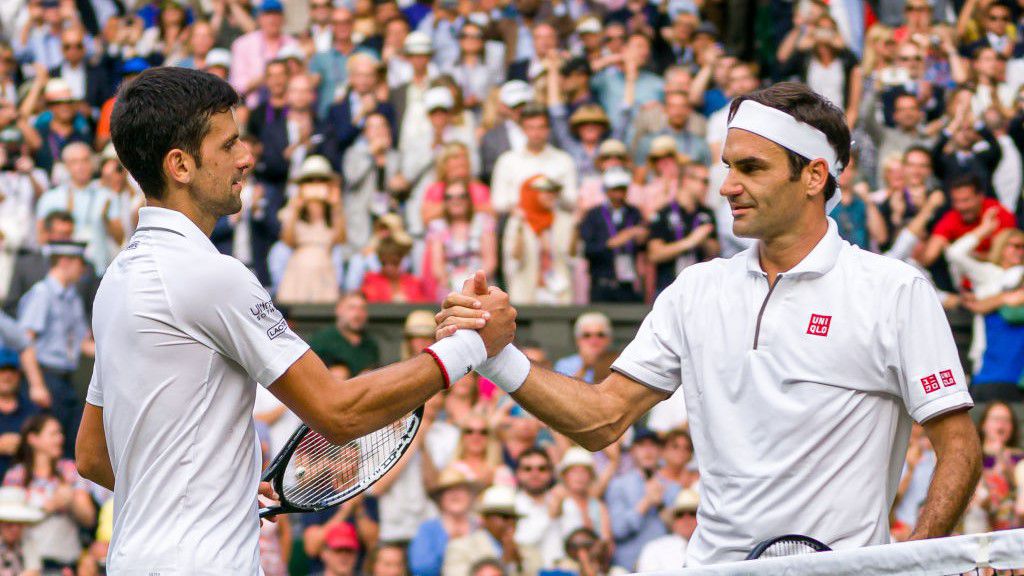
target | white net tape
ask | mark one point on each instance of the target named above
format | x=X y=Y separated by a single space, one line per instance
x=982 y=554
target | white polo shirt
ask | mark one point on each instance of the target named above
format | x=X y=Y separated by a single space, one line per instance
x=183 y=333
x=799 y=397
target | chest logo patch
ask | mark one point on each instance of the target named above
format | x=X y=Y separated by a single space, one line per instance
x=819 y=325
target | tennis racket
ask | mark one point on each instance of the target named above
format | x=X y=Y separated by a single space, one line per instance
x=310 y=473
x=788 y=545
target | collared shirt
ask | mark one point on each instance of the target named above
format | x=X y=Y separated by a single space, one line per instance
x=631 y=529
x=183 y=333
x=75 y=77
x=86 y=206
x=513 y=168
x=804 y=391
x=11 y=335
x=56 y=315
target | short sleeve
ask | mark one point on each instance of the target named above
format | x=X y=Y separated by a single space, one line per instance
x=932 y=381
x=94 y=395
x=32 y=310
x=654 y=357
x=230 y=311
x=11 y=335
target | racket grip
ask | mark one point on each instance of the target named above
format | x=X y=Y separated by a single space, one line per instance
x=270 y=511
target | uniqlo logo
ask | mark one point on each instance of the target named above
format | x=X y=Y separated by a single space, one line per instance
x=947 y=378
x=930 y=384
x=819 y=325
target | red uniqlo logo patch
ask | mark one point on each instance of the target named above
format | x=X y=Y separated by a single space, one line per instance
x=819 y=325
x=930 y=384
x=947 y=378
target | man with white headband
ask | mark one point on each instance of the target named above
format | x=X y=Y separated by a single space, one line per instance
x=803 y=359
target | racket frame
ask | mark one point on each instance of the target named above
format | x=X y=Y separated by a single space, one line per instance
x=816 y=545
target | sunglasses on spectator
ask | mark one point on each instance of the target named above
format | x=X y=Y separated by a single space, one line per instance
x=919 y=8
x=476 y=431
x=541 y=468
x=471 y=35
x=578 y=544
x=76 y=45
x=456 y=196
x=610 y=37
x=999 y=18
x=588 y=335
x=1015 y=245
x=915 y=58
x=684 y=513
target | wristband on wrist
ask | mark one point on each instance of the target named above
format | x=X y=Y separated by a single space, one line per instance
x=508 y=369
x=458 y=355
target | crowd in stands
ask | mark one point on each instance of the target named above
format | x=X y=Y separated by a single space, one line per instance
x=568 y=148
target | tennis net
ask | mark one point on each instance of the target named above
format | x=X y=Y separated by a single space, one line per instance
x=995 y=553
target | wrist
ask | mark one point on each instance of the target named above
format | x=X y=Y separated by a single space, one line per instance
x=508 y=369
x=458 y=355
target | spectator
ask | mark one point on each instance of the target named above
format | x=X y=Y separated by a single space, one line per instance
x=392 y=284
x=636 y=498
x=909 y=130
x=94 y=208
x=1002 y=454
x=458 y=244
x=917 y=475
x=965 y=148
x=22 y=184
x=679 y=465
x=477 y=70
x=495 y=538
x=14 y=409
x=273 y=99
x=478 y=454
x=313 y=223
x=125 y=194
x=341 y=551
x=201 y=39
x=330 y=67
x=574 y=503
x=487 y=567
x=859 y=221
x=54 y=487
x=53 y=316
x=587 y=555
x=968 y=204
x=453 y=165
x=536 y=528
x=682 y=233
x=89 y=83
x=677 y=115
x=593 y=334
x=537 y=157
x=664 y=177
x=611 y=153
x=669 y=551
x=358 y=100
x=365 y=261
x=506 y=133
x=346 y=341
x=613 y=235
x=610 y=83
x=538 y=245
x=407 y=98
x=374 y=185
x=387 y=560
x=454 y=495
x=251 y=52
x=817 y=53
x=292 y=136
x=17 y=556
x=59 y=126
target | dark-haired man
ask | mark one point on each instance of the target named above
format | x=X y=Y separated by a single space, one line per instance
x=184 y=333
x=803 y=359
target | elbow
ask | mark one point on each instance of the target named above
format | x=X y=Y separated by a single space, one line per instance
x=87 y=464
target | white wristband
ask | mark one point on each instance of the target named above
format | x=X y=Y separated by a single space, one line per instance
x=458 y=354
x=508 y=369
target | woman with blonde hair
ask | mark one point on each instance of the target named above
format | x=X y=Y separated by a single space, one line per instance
x=453 y=163
x=997 y=348
x=478 y=454
x=458 y=243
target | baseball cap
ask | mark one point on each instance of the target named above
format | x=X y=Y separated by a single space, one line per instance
x=438 y=97
x=418 y=43
x=271 y=6
x=615 y=178
x=644 y=433
x=515 y=93
x=218 y=57
x=342 y=536
x=588 y=25
x=9 y=359
x=134 y=65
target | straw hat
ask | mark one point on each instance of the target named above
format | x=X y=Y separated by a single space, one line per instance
x=499 y=500
x=315 y=168
x=576 y=456
x=14 y=507
x=612 y=147
x=420 y=324
x=686 y=501
x=452 y=477
x=393 y=222
x=589 y=114
x=665 y=145
x=57 y=91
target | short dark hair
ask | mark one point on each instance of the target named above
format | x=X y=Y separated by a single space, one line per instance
x=968 y=180
x=811 y=108
x=163 y=109
x=533 y=451
x=488 y=562
x=917 y=148
x=534 y=110
x=57 y=216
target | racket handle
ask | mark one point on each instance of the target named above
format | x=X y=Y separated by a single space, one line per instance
x=270 y=511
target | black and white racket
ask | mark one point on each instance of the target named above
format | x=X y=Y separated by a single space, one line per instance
x=310 y=473
x=788 y=545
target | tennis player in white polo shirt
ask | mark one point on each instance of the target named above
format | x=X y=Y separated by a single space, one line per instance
x=183 y=335
x=803 y=360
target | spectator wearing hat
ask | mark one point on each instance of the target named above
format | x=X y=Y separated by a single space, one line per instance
x=417 y=332
x=17 y=555
x=669 y=552
x=52 y=314
x=537 y=157
x=407 y=98
x=330 y=67
x=340 y=554
x=93 y=207
x=218 y=62
x=14 y=410
x=507 y=133
x=611 y=153
x=89 y=83
x=58 y=126
x=683 y=232
x=664 y=171
x=251 y=52
x=39 y=39
x=312 y=224
x=494 y=539
x=358 y=100
x=454 y=494
x=538 y=246
x=613 y=235
x=441 y=24
x=392 y=284
x=373 y=183
x=477 y=70
x=588 y=32
x=677 y=114
x=385 y=226
x=573 y=503
x=22 y=183
x=637 y=497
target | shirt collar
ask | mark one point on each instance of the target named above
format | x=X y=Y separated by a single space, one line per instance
x=56 y=287
x=818 y=262
x=176 y=222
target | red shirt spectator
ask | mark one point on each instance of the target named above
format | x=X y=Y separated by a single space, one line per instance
x=392 y=284
x=953 y=224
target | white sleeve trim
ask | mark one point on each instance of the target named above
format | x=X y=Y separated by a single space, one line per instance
x=642 y=375
x=281 y=363
x=941 y=405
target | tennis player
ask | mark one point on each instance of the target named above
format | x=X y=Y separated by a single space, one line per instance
x=803 y=360
x=183 y=334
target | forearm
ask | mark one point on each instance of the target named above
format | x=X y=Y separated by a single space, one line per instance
x=30 y=365
x=957 y=469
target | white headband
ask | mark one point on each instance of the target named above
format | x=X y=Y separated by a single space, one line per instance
x=791 y=134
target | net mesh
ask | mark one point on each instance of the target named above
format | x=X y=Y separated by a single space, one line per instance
x=988 y=554
x=321 y=474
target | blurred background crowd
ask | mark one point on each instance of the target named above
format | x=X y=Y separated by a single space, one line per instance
x=568 y=148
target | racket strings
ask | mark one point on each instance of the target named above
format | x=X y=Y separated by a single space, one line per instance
x=320 y=473
x=788 y=548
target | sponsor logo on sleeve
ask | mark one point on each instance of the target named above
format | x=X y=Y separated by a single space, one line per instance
x=278 y=329
x=263 y=310
x=930 y=383
x=947 y=378
x=819 y=325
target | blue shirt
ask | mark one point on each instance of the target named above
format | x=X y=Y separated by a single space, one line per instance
x=631 y=530
x=609 y=86
x=332 y=66
x=426 y=551
x=11 y=335
x=57 y=316
x=1003 y=360
x=571 y=366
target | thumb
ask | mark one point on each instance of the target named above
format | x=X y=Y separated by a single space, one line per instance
x=480 y=283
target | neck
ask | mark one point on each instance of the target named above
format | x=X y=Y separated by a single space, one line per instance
x=179 y=203
x=59 y=277
x=277 y=101
x=351 y=335
x=786 y=251
x=41 y=465
x=615 y=203
x=343 y=45
x=8 y=402
x=535 y=149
